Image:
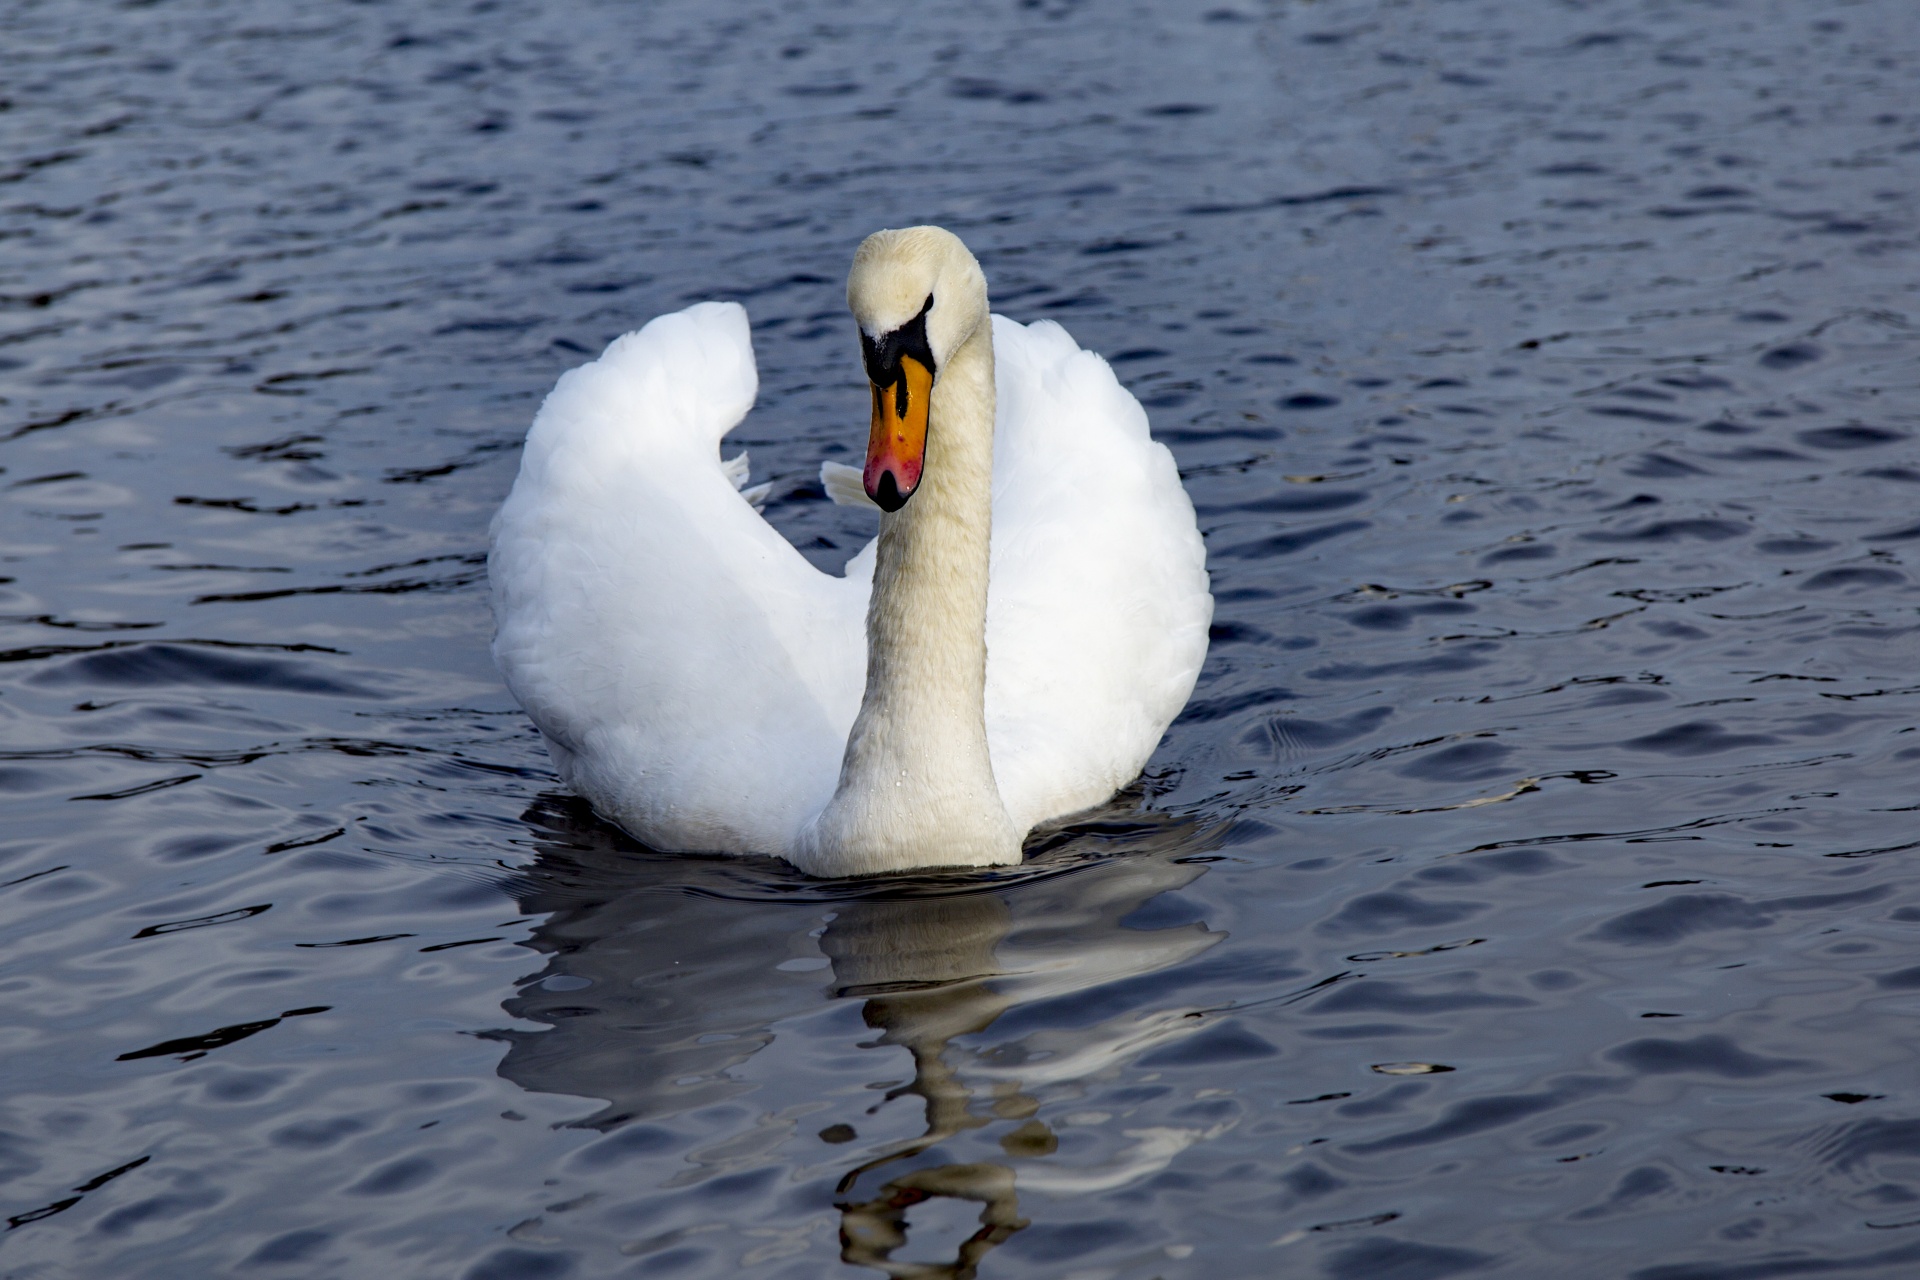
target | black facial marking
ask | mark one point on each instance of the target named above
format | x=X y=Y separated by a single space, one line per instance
x=888 y=497
x=882 y=355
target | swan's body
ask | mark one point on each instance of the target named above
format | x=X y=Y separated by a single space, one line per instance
x=1039 y=618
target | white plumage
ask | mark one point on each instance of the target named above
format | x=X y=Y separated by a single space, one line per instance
x=696 y=678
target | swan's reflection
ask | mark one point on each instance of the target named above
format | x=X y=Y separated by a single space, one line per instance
x=925 y=969
x=662 y=981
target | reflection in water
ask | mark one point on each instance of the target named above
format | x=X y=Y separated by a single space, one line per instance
x=925 y=969
x=667 y=972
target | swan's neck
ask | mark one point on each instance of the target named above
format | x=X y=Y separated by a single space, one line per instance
x=916 y=784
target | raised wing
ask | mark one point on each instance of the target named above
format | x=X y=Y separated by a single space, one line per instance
x=1098 y=607
x=694 y=675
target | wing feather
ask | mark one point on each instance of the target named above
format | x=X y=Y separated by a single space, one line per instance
x=695 y=675
x=1098 y=606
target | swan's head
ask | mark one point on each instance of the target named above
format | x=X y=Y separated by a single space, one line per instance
x=918 y=296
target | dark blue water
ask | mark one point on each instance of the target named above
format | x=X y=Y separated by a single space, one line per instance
x=1527 y=890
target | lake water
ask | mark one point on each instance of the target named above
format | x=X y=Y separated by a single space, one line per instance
x=1526 y=891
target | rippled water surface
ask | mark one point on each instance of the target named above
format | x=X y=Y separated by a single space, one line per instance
x=1525 y=892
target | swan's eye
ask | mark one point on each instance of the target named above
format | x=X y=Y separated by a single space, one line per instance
x=882 y=354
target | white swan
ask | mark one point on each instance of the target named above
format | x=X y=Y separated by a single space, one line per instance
x=1010 y=648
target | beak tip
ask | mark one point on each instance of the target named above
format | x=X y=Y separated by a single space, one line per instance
x=886 y=492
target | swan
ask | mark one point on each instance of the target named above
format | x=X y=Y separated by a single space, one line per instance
x=1009 y=649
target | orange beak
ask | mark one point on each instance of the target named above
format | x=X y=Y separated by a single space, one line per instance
x=897 y=444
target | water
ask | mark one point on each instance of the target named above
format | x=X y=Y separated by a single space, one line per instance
x=1524 y=892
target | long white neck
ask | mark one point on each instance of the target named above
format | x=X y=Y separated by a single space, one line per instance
x=916 y=784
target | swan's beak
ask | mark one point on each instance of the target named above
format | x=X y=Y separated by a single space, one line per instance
x=897 y=445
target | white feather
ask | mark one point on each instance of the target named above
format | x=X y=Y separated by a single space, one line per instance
x=843 y=484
